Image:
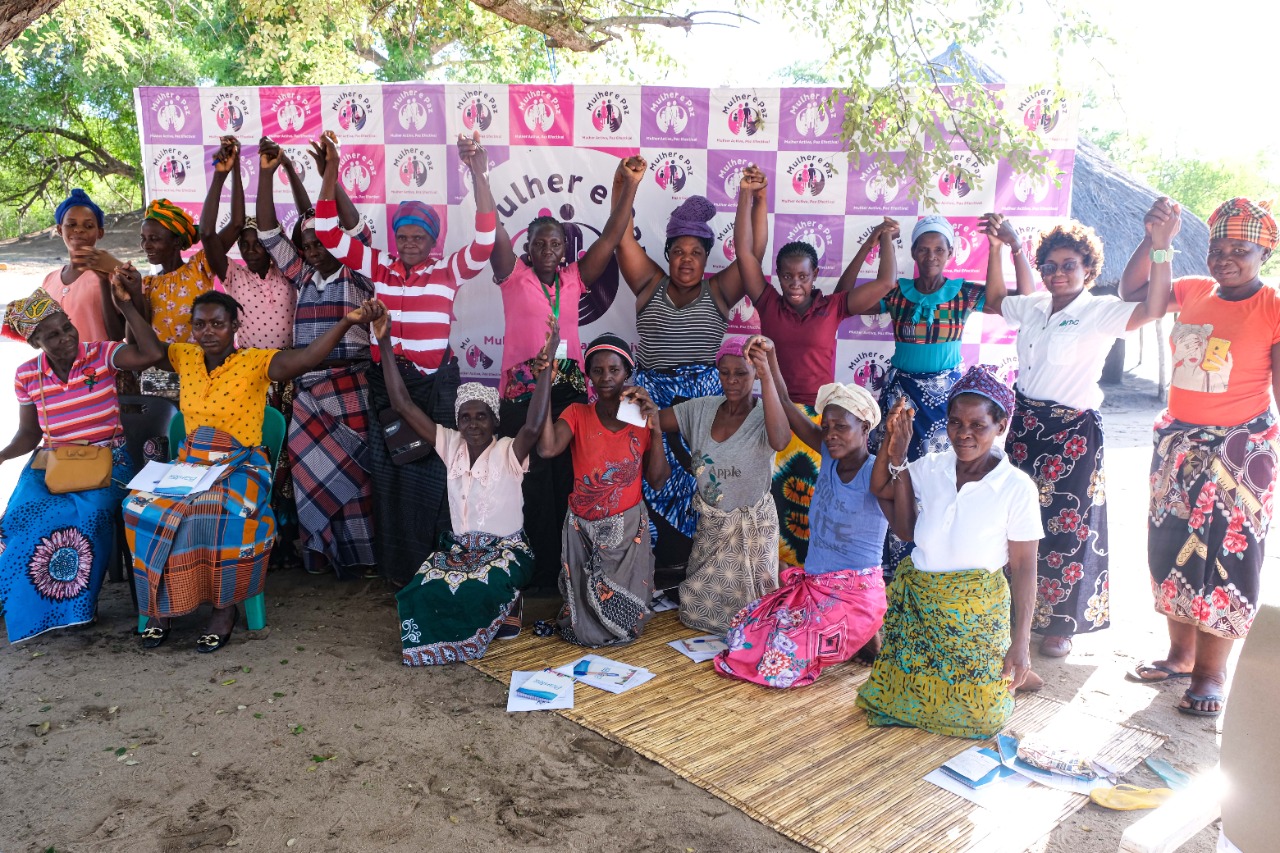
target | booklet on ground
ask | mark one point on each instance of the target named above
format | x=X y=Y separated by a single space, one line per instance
x=700 y=649
x=611 y=675
x=547 y=690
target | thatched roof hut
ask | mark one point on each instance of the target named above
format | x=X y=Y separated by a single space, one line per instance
x=1113 y=202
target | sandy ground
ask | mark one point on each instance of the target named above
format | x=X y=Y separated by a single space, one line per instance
x=312 y=736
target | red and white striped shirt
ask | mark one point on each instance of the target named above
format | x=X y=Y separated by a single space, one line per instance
x=420 y=300
x=84 y=408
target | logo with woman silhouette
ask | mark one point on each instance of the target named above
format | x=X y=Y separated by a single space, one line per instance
x=811 y=115
x=671 y=171
x=413 y=167
x=1041 y=110
x=607 y=110
x=291 y=111
x=352 y=110
x=229 y=110
x=477 y=112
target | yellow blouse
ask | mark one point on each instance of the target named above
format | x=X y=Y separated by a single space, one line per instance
x=170 y=295
x=232 y=398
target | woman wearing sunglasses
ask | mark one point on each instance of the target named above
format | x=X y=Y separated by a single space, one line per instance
x=1055 y=434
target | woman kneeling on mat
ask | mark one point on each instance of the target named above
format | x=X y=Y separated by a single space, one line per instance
x=832 y=606
x=213 y=546
x=606 y=577
x=949 y=664
x=468 y=592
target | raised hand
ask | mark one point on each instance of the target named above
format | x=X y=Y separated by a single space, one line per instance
x=1165 y=227
x=997 y=227
x=471 y=152
x=753 y=180
x=368 y=312
x=228 y=156
x=270 y=154
x=1162 y=209
x=633 y=168
x=889 y=228
x=86 y=258
x=897 y=428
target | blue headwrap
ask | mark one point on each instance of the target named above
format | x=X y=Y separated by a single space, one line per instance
x=417 y=213
x=78 y=198
x=936 y=223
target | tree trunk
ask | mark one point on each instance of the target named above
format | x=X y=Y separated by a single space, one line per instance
x=17 y=15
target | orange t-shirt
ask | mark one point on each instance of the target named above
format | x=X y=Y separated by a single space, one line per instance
x=1221 y=353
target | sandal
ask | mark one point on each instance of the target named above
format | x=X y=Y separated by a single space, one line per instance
x=1129 y=797
x=512 y=622
x=153 y=637
x=209 y=643
x=1138 y=673
x=1054 y=646
x=1200 y=697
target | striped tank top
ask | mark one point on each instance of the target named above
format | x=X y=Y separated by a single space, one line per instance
x=671 y=336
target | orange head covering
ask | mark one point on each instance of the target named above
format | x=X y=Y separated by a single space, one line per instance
x=174 y=218
x=1242 y=219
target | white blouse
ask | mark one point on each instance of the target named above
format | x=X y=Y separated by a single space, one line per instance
x=1060 y=356
x=970 y=528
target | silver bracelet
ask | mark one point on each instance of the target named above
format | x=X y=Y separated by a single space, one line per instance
x=895 y=470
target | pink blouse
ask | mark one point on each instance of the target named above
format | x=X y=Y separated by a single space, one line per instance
x=526 y=303
x=82 y=301
x=484 y=497
x=267 y=321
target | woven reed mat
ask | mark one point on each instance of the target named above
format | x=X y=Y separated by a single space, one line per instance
x=804 y=761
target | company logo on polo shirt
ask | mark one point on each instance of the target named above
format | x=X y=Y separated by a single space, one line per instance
x=414 y=166
x=1041 y=110
x=290 y=109
x=172 y=110
x=229 y=111
x=745 y=114
x=357 y=171
x=809 y=174
x=171 y=165
x=672 y=111
x=607 y=111
x=540 y=110
x=811 y=115
x=671 y=170
x=353 y=110
x=477 y=109
x=813 y=232
x=412 y=108
x=730 y=175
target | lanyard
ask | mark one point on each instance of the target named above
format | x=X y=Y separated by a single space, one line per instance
x=555 y=306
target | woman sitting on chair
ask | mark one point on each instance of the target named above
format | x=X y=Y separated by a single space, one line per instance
x=177 y=564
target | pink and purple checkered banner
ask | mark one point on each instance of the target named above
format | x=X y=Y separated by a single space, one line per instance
x=553 y=150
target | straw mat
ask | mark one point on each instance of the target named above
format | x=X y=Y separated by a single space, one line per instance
x=804 y=761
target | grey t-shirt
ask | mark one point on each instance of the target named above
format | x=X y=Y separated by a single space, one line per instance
x=734 y=473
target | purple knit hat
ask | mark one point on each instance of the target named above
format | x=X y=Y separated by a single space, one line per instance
x=981 y=379
x=690 y=219
x=733 y=345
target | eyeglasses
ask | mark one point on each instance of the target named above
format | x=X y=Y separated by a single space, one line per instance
x=1050 y=268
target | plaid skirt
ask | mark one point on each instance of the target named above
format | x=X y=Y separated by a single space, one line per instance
x=208 y=548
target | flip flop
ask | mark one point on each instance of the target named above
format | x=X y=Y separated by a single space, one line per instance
x=1199 y=697
x=1127 y=798
x=1135 y=674
x=1171 y=776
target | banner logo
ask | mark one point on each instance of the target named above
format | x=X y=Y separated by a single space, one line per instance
x=353 y=110
x=813 y=232
x=291 y=110
x=172 y=166
x=672 y=112
x=1041 y=110
x=477 y=109
x=357 y=172
x=540 y=110
x=809 y=175
x=172 y=111
x=671 y=170
x=745 y=115
x=229 y=111
x=811 y=115
x=607 y=111
x=413 y=165
x=412 y=110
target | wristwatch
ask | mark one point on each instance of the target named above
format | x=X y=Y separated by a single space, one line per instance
x=1162 y=256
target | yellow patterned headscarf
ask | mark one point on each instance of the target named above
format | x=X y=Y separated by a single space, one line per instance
x=21 y=316
x=174 y=218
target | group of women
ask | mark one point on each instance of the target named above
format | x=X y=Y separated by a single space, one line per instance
x=928 y=532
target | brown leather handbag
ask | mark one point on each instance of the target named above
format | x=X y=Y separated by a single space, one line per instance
x=78 y=467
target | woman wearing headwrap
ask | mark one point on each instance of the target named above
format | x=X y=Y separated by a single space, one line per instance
x=167 y=231
x=268 y=301
x=1214 y=466
x=410 y=509
x=950 y=663
x=681 y=317
x=467 y=593
x=329 y=430
x=213 y=546
x=606 y=578
x=1055 y=436
x=732 y=438
x=54 y=548
x=80 y=287
x=827 y=611
x=928 y=313
x=802 y=322
x=539 y=285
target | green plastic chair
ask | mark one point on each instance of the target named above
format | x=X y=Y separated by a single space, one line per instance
x=274 y=428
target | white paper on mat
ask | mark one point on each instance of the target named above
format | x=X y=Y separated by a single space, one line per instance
x=555 y=682
x=699 y=649
x=606 y=674
x=629 y=413
x=150 y=475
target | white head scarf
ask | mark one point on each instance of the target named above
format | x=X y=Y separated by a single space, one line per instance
x=934 y=222
x=854 y=399
x=469 y=391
